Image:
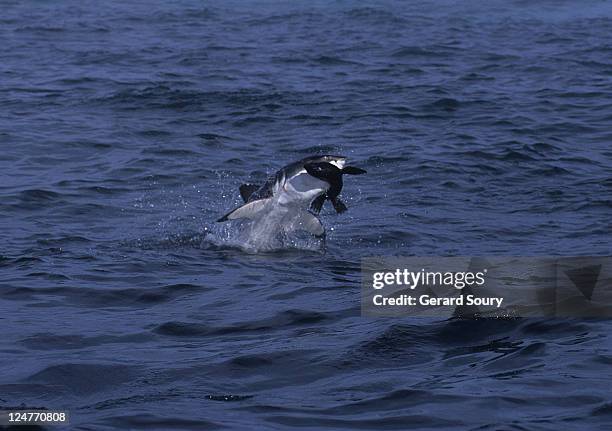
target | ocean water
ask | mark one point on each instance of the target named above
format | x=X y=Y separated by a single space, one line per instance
x=127 y=127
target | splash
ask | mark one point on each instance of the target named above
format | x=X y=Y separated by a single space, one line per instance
x=261 y=236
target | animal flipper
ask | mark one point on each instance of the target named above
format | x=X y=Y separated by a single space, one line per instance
x=317 y=204
x=248 y=210
x=246 y=190
x=310 y=223
x=351 y=170
x=338 y=205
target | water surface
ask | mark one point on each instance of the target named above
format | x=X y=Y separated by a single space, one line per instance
x=127 y=127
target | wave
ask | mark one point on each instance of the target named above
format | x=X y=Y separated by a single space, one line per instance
x=281 y=320
x=244 y=236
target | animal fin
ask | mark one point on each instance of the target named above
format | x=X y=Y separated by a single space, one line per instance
x=249 y=210
x=246 y=190
x=310 y=223
x=317 y=204
x=338 y=205
x=351 y=170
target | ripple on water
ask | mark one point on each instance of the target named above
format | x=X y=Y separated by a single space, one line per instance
x=127 y=128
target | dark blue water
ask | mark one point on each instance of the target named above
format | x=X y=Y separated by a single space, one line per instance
x=126 y=128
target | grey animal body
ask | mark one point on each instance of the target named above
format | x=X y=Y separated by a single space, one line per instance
x=282 y=202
